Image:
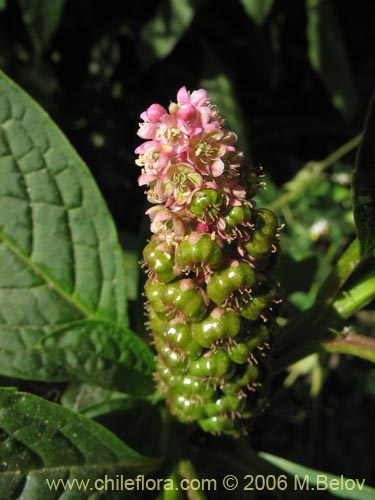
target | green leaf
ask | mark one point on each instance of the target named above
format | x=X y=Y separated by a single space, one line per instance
x=3 y=4
x=352 y=344
x=103 y=354
x=41 y=18
x=130 y=244
x=258 y=10
x=42 y=441
x=316 y=477
x=364 y=184
x=161 y=34
x=60 y=261
x=222 y=92
x=328 y=56
x=93 y=401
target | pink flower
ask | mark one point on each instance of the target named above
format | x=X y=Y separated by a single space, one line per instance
x=153 y=155
x=197 y=98
x=165 y=223
x=153 y=113
x=206 y=152
x=186 y=149
x=178 y=185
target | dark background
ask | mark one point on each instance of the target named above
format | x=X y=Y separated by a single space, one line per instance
x=97 y=72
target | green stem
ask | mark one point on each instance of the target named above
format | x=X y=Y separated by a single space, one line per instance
x=354 y=344
x=343 y=269
x=359 y=295
x=187 y=471
x=311 y=172
x=307 y=326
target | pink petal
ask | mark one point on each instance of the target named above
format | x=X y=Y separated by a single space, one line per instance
x=146 y=179
x=183 y=95
x=199 y=97
x=147 y=131
x=155 y=112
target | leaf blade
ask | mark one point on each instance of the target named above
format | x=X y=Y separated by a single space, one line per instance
x=328 y=56
x=41 y=18
x=103 y=354
x=162 y=33
x=258 y=10
x=60 y=260
x=364 y=184
x=361 y=492
x=42 y=440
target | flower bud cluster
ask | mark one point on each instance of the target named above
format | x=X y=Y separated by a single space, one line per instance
x=210 y=291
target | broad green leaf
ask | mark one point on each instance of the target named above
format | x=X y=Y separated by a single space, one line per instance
x=103 y=354
x=60 y=261
x=162 y=33
x=258 y=10
x=353 y=489
x=42 y=441
x=364 y=184
x=3 y=4
x=42 y=18
x=328 y=56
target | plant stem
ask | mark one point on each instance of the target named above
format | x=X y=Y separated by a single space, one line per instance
x=344 y=267
x=359 y=295
x=311 y=172
x=187 y=470
x=308 y=327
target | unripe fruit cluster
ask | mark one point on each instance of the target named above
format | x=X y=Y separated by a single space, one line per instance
x=210 y=291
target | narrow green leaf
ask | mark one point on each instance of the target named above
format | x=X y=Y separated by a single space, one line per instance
x=41 y=18
x=258 y=10
x=42 y=441
x=353 y=489
x=352 y=344
x=161 y=34
x=93 y=401
x=364 y=184
x=328 y=56
x=131 y=246
x=60 y=261
x=103 y=354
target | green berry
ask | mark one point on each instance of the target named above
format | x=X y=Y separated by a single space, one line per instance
x=190 y=405
x=178 y=335
x=218 y=325
x=198 y=386
x=238 y=215
x=214 y=364
x=185 y=298
x=205 y=203
x=159 y=261
x=219 y=424
x=231 y=279
x=260 y=301
x=172 y=356
x=199 y=248
x=154 y=291
x=225 y=404
x=249 y=375
x=240 y=352
x=260 y=244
